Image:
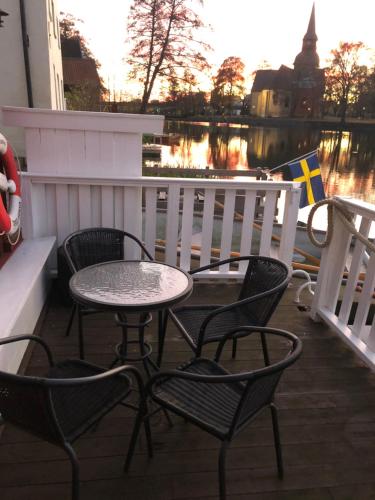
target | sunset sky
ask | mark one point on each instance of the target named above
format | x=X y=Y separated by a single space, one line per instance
x=270 y=30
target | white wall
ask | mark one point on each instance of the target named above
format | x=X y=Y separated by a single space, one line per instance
x=44 y=55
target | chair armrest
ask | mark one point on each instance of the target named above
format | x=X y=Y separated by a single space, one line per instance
x=245 y=331
x=18 y=338
x=56 y=382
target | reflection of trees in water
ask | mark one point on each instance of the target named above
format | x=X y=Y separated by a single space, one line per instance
x=347 y=159
x=344 y=151
x=270 y=147
x=190 y=131
x=363 y=150
x=218 y=140
x=225 y=147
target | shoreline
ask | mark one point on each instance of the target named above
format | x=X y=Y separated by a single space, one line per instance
x=320 y=123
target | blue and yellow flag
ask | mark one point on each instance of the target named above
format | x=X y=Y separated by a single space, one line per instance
x=307 y=171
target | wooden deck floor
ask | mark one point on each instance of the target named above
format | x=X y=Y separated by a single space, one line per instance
x=327 y=419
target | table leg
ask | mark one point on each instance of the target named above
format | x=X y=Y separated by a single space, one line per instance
x=162 y=328
x=142 y=350
x=122 y=349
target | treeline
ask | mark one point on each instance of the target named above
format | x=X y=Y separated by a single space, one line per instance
x=167 y=55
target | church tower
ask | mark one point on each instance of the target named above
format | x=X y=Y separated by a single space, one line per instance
x=308 y=60
x=308 y=79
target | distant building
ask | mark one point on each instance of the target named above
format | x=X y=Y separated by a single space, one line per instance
x=80 y=75
x=291 y=92
x=30 y=59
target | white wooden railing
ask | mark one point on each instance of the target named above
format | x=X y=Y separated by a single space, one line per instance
x=335 y=261
x=85 y=169
x=59 y=205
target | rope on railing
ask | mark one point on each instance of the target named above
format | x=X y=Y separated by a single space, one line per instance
x=346 y=218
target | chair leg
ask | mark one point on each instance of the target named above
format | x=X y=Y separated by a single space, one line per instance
x=265 y=349
x=222 y=482
x=234 y=348
x=80 y=333
x=71 y=318
x=137 y=425
x=75 y=470
x=276 y=435
x=148 y=437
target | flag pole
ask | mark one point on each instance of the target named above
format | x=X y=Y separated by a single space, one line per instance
x=306 y=155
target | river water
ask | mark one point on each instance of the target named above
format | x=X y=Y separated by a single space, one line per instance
x=347 y=159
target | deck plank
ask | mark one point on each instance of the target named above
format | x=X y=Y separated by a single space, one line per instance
x=327 y=420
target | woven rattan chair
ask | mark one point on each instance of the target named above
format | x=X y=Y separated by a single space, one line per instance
x=67 y=401
x=262 y=288
x=221 y=403
x=91 y=246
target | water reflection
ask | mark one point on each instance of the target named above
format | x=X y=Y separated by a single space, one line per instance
x=347 y=159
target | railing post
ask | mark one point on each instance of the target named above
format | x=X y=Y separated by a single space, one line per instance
x=332 y=266
x=290 y=218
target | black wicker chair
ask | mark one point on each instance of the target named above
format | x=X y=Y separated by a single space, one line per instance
x=91 y=246
x=263 y=286
x=221 y=403
x=68 y=401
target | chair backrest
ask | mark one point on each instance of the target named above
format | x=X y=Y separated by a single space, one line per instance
x=26 y=403
x=261 y=384
x=94 y=245
x=263 y=274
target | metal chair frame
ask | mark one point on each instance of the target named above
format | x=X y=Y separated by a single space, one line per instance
x=74 y=266
x=40 y=391
x=246 y=384
x=213 y=311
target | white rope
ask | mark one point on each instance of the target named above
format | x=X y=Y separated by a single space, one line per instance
x=346 y=218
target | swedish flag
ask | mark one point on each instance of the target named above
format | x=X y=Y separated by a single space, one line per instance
x=307 y=171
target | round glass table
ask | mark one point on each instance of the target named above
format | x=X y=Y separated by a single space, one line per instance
x=132 y=287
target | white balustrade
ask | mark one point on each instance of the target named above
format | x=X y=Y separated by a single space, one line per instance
x=59 y=205
x=84 y=170
x=355 y=306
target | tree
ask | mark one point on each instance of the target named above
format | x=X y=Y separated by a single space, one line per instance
x=228 y=83
x=161 y=34
x=366 y=100
x=345 y=76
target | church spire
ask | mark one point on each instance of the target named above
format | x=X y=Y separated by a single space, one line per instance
x=308 y=58
x=310 y=33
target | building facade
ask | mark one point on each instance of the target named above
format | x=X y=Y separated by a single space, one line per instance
x=30 y=59
x=288 y=92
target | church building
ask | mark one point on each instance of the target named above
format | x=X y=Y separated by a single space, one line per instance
x=290 y=92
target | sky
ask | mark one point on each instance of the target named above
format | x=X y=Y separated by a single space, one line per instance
x=255 y=31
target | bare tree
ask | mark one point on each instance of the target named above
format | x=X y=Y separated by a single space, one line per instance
x=345 y=76
x=162 y=38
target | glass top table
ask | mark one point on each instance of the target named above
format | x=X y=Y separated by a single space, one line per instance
x=131 y=286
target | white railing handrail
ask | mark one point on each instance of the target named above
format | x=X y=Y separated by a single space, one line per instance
x=162 y=181
x=356 y=206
